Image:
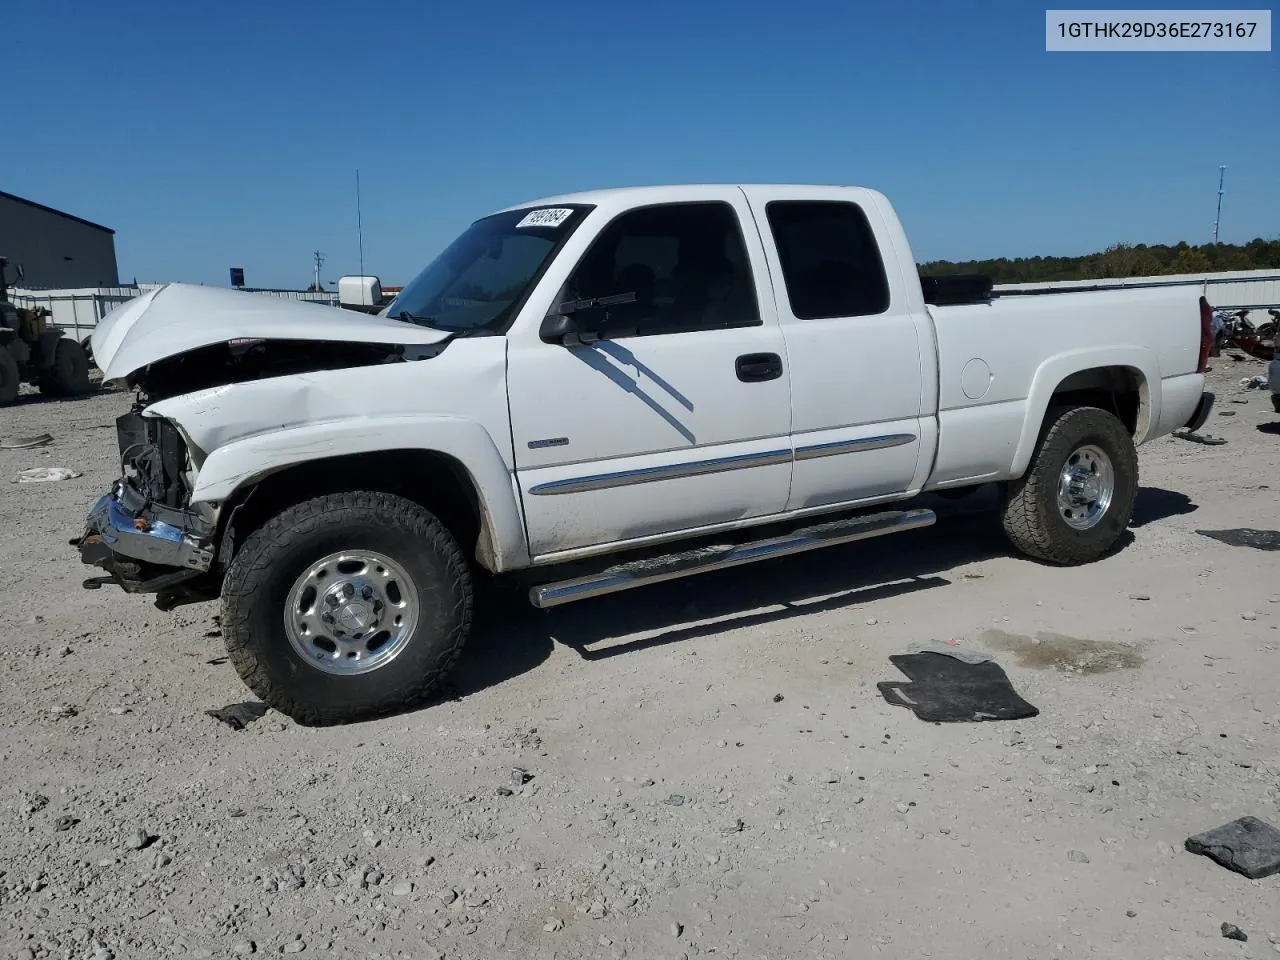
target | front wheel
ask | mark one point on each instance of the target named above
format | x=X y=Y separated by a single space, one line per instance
x=69 y=375
x=346 y=607
x=10 y=376
x=1076 y=497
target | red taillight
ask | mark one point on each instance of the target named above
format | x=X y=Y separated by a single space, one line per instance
x=1206 y=335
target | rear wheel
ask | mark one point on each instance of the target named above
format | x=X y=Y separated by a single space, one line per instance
x=346 y=607
x=10 y=377
x=69 y=376
x=1076 y=497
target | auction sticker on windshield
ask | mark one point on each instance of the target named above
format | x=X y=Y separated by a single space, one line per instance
x=546 y=217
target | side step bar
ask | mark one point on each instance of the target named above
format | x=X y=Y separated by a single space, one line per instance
x=639 y=573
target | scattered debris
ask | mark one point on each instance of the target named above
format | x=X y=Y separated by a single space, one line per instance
x=45 y=475
x=778 y=698
x=1204 y=438
x=1077 y=856
x=675 y=800
x=872 y=621
x=503 y=792
x=62 y=824
x=237 y=716
x=1248 y=615
x=63 y=711
x=402 y=889
x=1248 y=846
x=1232 y=932
x=1139 y=596
x=949 y=689
x=1256 y=383
x=1245 y=537
x=140 y=840
x=25 y=443
x=520 y=776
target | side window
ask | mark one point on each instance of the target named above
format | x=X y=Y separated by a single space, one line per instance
x=830 y=262
x=681 y=267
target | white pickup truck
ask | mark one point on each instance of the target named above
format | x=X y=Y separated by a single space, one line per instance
x=596 y=392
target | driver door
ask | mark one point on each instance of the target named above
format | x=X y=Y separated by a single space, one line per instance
x=678 y=417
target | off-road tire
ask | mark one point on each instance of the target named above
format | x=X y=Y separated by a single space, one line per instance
x=10 y=377
x=1031 y=518
x=69 y=375
x=257 y=585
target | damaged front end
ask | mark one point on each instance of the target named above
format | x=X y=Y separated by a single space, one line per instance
x=142 y=532
x=181 y=340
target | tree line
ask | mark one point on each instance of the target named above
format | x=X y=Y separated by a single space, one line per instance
x=1121 y=260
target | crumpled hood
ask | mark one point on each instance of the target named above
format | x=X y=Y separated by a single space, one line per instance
x=180 y=317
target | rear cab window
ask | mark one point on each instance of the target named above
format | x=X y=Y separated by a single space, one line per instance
x=831 y=264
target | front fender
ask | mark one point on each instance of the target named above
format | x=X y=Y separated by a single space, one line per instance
x=234 y=465
x=1058 y=368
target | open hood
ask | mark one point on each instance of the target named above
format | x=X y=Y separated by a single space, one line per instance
x=180 y=317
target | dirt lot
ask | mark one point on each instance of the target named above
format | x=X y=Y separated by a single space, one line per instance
x=710 y=767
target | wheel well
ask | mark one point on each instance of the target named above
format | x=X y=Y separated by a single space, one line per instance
x=433 y=480
x=1120 y=390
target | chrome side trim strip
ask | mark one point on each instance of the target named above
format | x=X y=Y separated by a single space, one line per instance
x=639 y=573
x=625 y=478
x=837 y=447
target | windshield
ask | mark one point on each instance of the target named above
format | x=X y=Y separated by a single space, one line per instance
x=482 y=277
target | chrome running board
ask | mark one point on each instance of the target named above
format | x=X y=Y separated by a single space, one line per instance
x=639 y=573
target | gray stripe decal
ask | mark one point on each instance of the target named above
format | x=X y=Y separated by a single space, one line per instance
x=626 y=478
x=837 y=447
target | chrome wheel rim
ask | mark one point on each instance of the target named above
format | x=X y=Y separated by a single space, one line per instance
x=351 y=612
x=1086 y=487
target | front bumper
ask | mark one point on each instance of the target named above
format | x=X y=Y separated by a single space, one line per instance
x=141 y=553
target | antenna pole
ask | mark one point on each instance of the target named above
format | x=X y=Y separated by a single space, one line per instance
x=359 y=223
x=1217 y=221
x=319 y=258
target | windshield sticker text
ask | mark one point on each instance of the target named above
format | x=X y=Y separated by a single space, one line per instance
x=546 y=217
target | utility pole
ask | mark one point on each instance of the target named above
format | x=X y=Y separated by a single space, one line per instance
x=359 y=223
x=1217 y=221
x=319 y=257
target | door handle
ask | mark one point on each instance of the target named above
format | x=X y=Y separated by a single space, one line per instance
x=758 y=367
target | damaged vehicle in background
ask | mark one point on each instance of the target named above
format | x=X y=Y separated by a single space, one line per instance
x=597 y=392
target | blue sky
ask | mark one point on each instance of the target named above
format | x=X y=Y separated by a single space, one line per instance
x=217 y=135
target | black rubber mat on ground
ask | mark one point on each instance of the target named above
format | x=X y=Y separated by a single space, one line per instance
x=1249 y=846
x=1245 y=537
x=945 y=689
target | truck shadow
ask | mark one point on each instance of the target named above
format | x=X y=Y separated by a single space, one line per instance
x=511 y=638
x=1154 y=505
x=35 y=398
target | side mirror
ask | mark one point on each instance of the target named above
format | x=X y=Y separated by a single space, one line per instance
x=558 y=328
x=567 y=330
x=359 y=292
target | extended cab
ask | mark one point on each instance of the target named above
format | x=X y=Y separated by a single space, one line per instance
x=596 y=392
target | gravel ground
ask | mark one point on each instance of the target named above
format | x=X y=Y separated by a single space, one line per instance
x=704 y=767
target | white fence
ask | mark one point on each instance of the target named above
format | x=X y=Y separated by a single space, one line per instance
x=78 y=310
x=1252 y=289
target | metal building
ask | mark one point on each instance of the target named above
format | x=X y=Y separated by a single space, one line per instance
x=54 y=248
